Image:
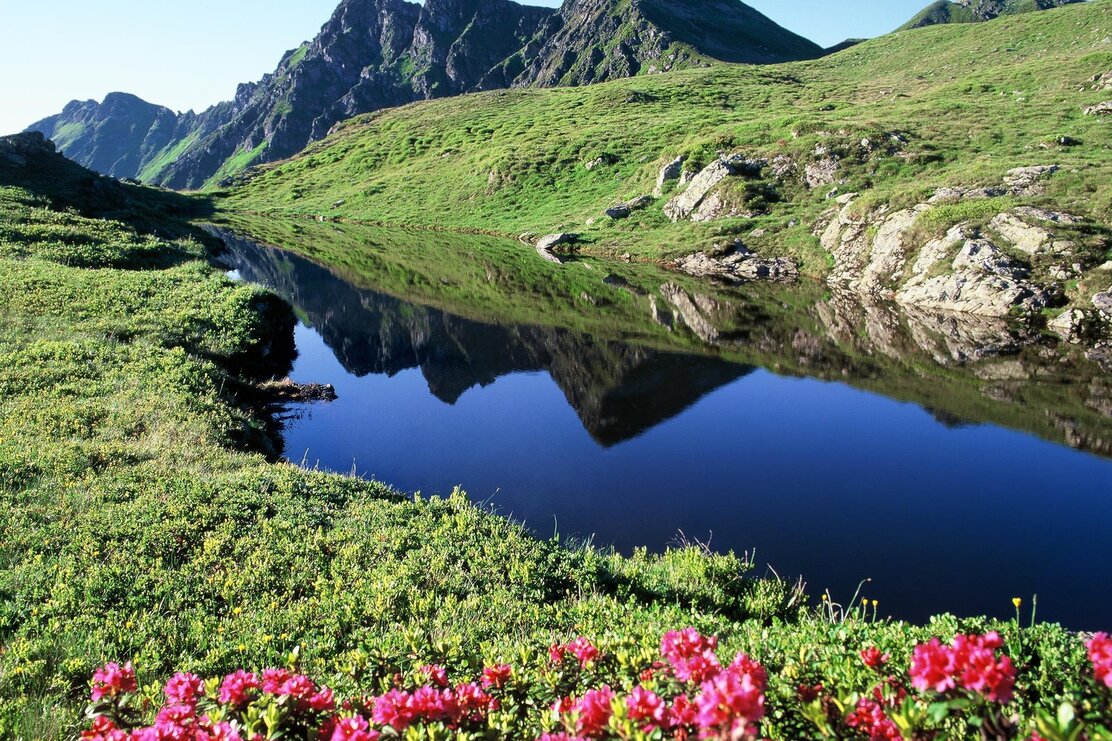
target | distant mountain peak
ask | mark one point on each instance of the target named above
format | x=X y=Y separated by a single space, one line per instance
x=976 y=11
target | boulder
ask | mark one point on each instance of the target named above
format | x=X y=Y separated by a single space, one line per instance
x=546 y=244
x=550 y=241
x=1103 y=302
x=623 y=210
x=738 y=265
x=1100 y=109
x=821 y=172
x=1101 y=82
x=670 y=171
x=713 y=207
x=683 y=205
x=1068 y=325
x=605 y=159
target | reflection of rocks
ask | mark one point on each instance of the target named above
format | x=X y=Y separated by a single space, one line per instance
x=693 y=310
x=901 y=332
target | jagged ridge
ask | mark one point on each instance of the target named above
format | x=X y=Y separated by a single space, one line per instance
x=375 y=54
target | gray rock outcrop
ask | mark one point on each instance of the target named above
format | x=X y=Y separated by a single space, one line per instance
x=685 y=204
x=964 y=271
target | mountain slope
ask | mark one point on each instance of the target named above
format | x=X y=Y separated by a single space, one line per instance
x=375 y=54
x=516 y=160
x=976 y=11
x=596 y=40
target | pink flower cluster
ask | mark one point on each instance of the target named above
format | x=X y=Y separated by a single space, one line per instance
x=691 y=655
x=729 y=702
x=582 y=649
x=969 y=662
x=870 y=717
x=449 y=705
x=181 y=718
x=113 y=680
x=1100 y=654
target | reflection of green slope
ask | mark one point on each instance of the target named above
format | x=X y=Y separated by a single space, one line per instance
x=959 y=368
x=487 y=279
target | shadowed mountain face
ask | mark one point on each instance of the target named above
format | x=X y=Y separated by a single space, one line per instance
x=375 y=54
x=618 y=390
x=977 y=11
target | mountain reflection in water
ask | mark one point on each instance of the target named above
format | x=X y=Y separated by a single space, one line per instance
x=709 y=411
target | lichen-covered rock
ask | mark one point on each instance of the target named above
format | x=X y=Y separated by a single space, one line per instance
x=1103 y=302
x=964 y=271
x=1028 y=181
x=683 y=205
x=821 y=172
x=974 y=292
x=1034 y=240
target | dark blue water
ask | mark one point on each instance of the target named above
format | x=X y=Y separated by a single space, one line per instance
x=820 y=478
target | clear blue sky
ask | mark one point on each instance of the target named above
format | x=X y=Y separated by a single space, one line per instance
x=192 y=54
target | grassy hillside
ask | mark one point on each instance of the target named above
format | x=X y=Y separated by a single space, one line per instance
x=947 y=105
x=143 y=518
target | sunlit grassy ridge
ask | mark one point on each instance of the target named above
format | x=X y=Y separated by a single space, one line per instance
x=972 y=101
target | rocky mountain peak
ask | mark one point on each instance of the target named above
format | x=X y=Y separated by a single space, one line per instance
x=374 y=54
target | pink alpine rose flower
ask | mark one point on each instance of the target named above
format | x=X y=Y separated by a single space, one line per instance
x=355 y=728
x=185 y=688
x=646 y=707
x=1100 y=654
x=932 y=667
x=497 y=676
x=237 y=688
x=113 y=680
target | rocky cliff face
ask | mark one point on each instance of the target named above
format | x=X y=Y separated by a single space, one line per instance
x=976 y=11
x=375 y=54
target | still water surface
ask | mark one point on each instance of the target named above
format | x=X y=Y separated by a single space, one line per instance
x=631 y=445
